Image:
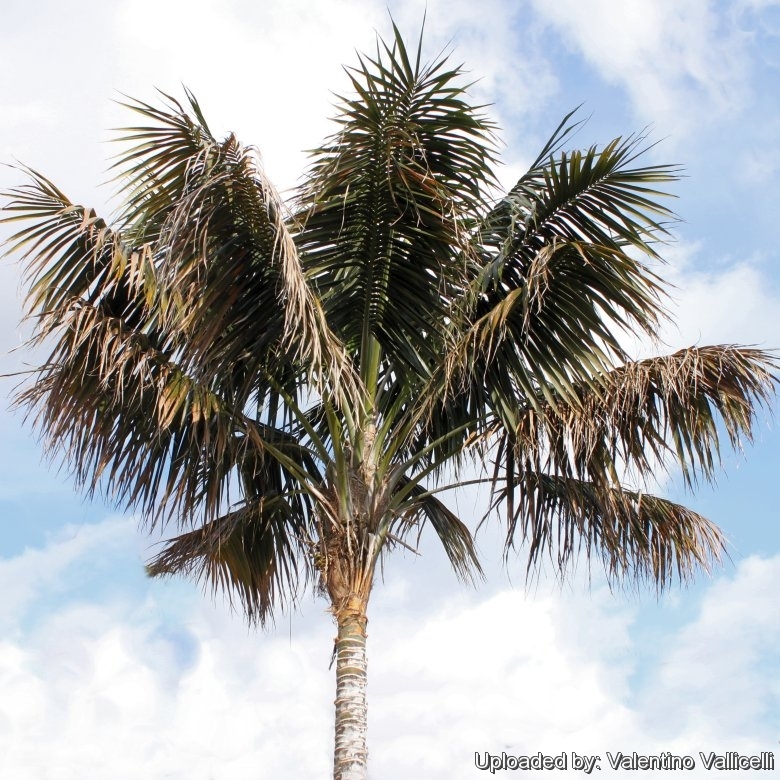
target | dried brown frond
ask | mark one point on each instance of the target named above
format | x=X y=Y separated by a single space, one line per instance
x=257 y=553
x=638 y=537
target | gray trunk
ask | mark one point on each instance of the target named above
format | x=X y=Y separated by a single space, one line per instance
x=350 y=756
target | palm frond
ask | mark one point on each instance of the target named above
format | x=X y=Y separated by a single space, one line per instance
x=259 y=553
x=387 y=207
x=560 y=276
x=420 y=506
x=638 y=537
x=687 y=397
x=655 y=413
x=598 y=195
x=69 y=253
x=650 y=414
x=111 y=397
x=219 y=233
x=160 y=162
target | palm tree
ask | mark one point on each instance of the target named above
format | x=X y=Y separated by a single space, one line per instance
x=294 y=385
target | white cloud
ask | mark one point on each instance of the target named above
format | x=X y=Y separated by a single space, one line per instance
x=713 y=299
x=724 y=662
x=499 y=49
x=730 y=302
x=168 y=686
x=12 y=114
x=680 y=62
x=269 y=71
x=11 y=333
x=23 y=577
x=265 y=71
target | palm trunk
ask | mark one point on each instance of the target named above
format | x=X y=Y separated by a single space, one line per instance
x=350 y=756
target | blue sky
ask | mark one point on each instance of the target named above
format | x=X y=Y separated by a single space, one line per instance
x=105 y=673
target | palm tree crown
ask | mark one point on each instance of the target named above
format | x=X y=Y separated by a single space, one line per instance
x=294 y=385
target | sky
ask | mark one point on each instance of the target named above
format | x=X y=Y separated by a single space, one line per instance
x=105 y=673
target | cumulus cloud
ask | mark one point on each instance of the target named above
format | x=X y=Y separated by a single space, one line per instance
x=23 y=578
x=265 y=71
x=714 y=298
x=501 y=49
x=270 y=71
x=11 y=333
x=681 y=63
x=734 y=304
x=159 y=682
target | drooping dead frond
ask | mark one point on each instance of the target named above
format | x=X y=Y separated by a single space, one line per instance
x=258 y=553
x=638 y=537
x=71 y=254
x=662 y=411
x=226 y=252
x=651 y=414
x=686 y=397
x=112 y=397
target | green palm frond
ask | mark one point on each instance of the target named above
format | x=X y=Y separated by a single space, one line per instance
x=387 y=207
x=421 y=506
x=560 y=275
x=597 y=195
